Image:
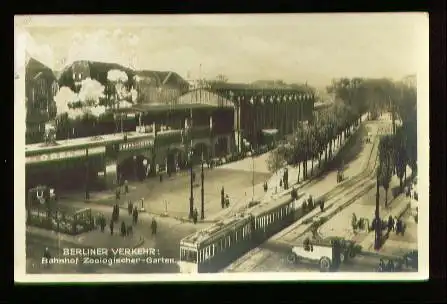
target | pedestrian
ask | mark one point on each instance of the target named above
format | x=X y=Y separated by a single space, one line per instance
x=123 y=229
x=390 y=224
x=310 y=203
x=390 y=266
x=322 y=205
x=354 y=222
x=399 y=227
x=135 y=215
x=117 y=211
x=154 y=226
x=111 y=227
x=129 y=230
x=114 y=213
x=102 y=223
x=382 y=266
x=227 y=201
x=126 y=186
x=117 y=194
x=46 y=253
x=195 y=216
x=129 y=207
x=222 y=197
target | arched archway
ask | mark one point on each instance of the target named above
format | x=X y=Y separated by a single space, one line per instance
x=134 y=167
x=176 y=160
x=221 y=146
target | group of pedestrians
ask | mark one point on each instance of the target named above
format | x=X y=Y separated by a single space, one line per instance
x=390 y=266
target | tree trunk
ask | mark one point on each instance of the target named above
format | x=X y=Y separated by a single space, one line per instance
x=325 y=155
x=299 y=172
x=401 y=184
x=405 y=173
x=319 y=159
x=386 y=197
x=312 y=167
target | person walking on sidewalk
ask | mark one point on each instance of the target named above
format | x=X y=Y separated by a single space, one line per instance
x=123 y=229
x=126 y=186
x=129 y=207
x=354 y=222
x=222 y=197
x=102 y=222
x=154 y=226
x=390 y=223
x=135 y=215
x=195 y=216
x=111 y=227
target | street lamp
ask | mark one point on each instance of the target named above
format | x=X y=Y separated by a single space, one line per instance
x=87 y=169
x=188 y=136
x=202 y=192
x=377 y=220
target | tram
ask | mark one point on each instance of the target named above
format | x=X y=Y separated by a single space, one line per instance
x=215 y=247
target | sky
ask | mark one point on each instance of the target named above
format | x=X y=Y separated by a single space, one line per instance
x=290 y=47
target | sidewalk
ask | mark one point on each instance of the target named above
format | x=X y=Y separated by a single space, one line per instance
x=94 y=238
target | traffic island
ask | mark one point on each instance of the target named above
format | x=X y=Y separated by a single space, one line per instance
x=92 y=239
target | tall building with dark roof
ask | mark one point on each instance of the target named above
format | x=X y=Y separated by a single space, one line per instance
x=40 y=88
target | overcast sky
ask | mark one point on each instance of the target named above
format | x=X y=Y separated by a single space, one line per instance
x=294 y=48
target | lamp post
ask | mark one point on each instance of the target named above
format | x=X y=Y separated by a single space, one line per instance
x=87 y=169
x=202 y=193
x=188 y=136
x=377 y=220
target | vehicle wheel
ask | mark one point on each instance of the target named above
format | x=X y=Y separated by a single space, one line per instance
x=325 y=264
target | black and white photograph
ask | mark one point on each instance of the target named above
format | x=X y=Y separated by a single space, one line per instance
x=221 y=147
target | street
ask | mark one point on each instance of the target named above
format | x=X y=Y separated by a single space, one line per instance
x=356 y=163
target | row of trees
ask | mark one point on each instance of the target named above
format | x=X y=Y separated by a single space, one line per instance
x=353 y=98
x=315 y=141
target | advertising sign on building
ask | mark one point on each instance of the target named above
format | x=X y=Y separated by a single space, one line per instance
x=60 y=155
x=136 y=145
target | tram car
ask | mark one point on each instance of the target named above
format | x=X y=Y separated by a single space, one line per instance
x=215 y=247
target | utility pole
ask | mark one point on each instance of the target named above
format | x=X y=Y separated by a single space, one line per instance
x=191 y=196
x=202 y=192
x=87 y=169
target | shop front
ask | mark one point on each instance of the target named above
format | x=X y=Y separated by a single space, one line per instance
x=66 y=170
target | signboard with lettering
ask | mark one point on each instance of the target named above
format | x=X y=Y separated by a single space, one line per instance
x=60 y=155
x=136 y=145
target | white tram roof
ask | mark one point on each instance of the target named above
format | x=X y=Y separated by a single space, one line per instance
x=266 y=206
x=214 y=230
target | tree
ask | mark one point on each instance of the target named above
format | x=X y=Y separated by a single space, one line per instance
x=386 y=165
x=400 y=156
x=275 y=161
